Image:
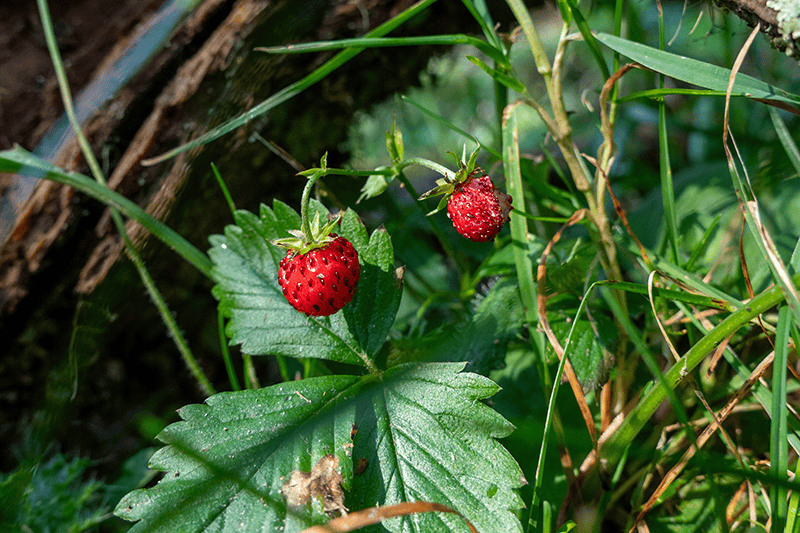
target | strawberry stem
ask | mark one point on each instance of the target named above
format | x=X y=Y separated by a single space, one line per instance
x=436 y=167
x=305 y=222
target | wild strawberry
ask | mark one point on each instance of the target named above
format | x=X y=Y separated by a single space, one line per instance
x=321 y=281
x=477 y=208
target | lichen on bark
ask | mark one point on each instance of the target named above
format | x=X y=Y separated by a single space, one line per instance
x=779 y=19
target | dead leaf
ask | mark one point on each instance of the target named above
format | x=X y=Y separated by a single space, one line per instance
x=323 y=482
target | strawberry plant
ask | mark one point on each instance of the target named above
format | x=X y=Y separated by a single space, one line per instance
x=422 y=372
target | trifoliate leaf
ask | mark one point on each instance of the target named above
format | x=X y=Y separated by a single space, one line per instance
x=226 y=462
x=263 y=322
x=416 y=432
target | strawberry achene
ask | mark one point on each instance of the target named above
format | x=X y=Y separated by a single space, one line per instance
x=323 y=280
x=477 y=208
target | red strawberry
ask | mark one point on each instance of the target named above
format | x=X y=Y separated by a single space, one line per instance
x=321 y=281
x=477 y=208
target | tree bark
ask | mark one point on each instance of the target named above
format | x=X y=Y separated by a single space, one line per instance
x=779 y=20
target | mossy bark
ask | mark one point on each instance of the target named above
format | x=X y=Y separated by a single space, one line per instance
x=774 y=18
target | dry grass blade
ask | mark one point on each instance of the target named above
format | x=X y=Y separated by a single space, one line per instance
x=541 y=274
x=376 y=515
x=607 y=150
x=715 y=357
x=652 y=298
x=734 y=508
x=744 y=188
x=707 y=433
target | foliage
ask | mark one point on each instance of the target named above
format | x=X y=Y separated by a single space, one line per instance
x=52 y=496
x=664 y=319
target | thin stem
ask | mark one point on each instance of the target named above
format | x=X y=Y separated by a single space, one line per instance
x=130 y=250
x=436 y=167
x=250 y=376
x=226 y=354
x=551 y=411
x=562 y=132
x=169 y=321
x=305 y=223
x=520 y=11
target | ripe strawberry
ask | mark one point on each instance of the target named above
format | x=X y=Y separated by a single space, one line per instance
x=477 y=208
x=321 y=281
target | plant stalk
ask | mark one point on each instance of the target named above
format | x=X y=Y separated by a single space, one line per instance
x=130 y=250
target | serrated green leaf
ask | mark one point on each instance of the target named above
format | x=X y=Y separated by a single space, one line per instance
x=371 y=313
x=588 y=352
x=497 y=320
x=225 y=461
x=480 y=341
x=568 y=272
x=426 y=437
x=421 y=430
x=263 y=322
x=374 y=186
x=354 y=231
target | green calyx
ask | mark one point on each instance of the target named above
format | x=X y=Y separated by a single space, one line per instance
x=446 y=185
x=315 y=237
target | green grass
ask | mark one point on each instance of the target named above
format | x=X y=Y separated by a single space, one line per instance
x=666 y=329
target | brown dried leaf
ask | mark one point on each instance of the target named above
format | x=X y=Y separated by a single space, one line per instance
x=323 y=482
x=375 y=515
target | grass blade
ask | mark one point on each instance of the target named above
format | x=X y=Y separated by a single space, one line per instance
x=519 y=226
x=503 y=79
x=699 y=300
x=612 y=448
x=480 y=13
x=778 y=449
x=667 y=187
x=130 y=250
x=19 y=160
x=748 y=201
x=696 y=72
x=449 y=125
x=786 y=138
x=536 y=501
x=589 y=38
x=657 y=94
x=385 y=42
